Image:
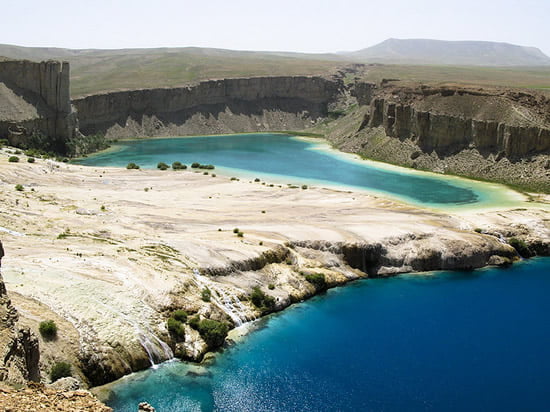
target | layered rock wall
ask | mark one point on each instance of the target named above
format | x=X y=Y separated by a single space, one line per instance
x=230 y=105
x=448 y=134
x=35 y=98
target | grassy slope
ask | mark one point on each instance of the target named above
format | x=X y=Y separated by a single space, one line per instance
x=521 y=77
x=94 y=71
x=92 y=74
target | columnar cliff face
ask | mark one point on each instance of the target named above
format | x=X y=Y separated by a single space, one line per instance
x=447 y=134
x=496 y=134
x=217 y=106
x=35 y=98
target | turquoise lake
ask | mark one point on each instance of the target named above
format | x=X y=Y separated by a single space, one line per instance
x=447 y=341
x=286 y=159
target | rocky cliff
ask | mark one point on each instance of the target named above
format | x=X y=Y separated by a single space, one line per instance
x=217 y=106
x=495 y=134
x=20 y=354
x=449 y=133
x=35 y=100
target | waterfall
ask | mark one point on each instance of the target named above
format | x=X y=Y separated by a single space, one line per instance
x=148 y=346
x=226 y=301
x=144 y=338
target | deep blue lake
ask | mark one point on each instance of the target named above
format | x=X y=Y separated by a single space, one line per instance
x=288 y=159
x=447 y=341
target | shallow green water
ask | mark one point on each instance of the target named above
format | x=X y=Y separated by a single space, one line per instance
x=282 y=158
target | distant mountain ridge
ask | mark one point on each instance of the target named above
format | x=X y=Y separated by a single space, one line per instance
x=467 y=53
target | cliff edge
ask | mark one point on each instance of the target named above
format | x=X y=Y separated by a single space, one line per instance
x=495 y=134
x=35 y=106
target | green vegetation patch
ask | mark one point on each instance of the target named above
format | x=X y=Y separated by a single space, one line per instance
x=318 y=281
x=262 y=301
x=48 y=329
x=213 y=332
x=176 y=329
x=521 y=247
x=60 y=370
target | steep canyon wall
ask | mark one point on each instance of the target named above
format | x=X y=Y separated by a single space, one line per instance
x=217 y=106
x=35 y=99
x=496 y=134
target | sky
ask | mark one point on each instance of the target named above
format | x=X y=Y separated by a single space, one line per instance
x=289 y=25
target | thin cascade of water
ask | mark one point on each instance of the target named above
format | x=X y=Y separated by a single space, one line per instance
x=167 y=351
x=225 y=300
x=146 y=344
x=150 y=348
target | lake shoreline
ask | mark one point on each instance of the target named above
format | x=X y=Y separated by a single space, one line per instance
x=137 y=249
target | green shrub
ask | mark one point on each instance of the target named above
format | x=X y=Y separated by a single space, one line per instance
x=132 y=165
x=210 y=167
x=176 y=329
x=236 y=230
x=60 y=370
x=304 y=187
x=262 y=301
x=178 y=166
x=257 y=179
x=194 y=322
x=195 y=165
x=30 y=160
x=180 y=315
x=213 y=332
x=521 y=247
x=318 y=280
x=162 y=166
x=3 y=142
x=19 y=187
x=478 y=230
x=240 y=234
x=13 y=159
x=48 y=329
x=271 y=286
x=206 y=295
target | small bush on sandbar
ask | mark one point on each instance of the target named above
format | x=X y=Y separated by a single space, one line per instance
x=195 y=165
x=30 y=160
x=60 y=370
x=13 y=159
x=162 y=166
x=178 y=166
x=132 y=165
x=19 y=187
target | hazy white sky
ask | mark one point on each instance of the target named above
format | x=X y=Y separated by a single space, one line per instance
x=293 y=25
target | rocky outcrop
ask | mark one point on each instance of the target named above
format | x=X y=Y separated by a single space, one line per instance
x=20 y=354
x=35 y=100
x=37 y=397
x=501 y=135
x=216 y=106
x=448 y=134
